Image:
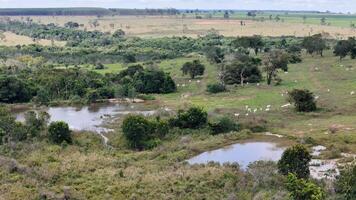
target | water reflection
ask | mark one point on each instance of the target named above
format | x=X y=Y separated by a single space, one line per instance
x=90 y=118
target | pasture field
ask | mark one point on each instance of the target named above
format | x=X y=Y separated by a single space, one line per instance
x=331 y=80
x=162 y=26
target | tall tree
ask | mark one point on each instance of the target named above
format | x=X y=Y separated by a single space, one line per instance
x=195 y=68
x=314 y=44
x=273 y=61
x=295 y=160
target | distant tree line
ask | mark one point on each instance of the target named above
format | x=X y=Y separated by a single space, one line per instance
x=53 y=11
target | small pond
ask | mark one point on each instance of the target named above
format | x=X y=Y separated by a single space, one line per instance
x=243 y=154
x=89 y=118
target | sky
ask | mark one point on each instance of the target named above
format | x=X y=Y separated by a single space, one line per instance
x=319 y=5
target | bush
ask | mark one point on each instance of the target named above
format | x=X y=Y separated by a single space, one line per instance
x=195 y=68
x=295 y=160
x=346 y=183
x=59 y=132
x=216 y=88
x=303 y=100
x=295 y=58
x=142 y=133
x=301 y=189
x=223 y=125
x=99 y=66
x=193 y=118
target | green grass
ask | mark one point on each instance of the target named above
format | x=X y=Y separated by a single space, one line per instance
x=339 y=20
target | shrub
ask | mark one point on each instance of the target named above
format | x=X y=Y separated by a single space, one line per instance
x=142 y=133
x=295 y=160
x=194 y=69
x=303 y=100
x=14 y=90
x=223 y=125
x=216 y=88
x=295 y=58
x=99 y=66
x=346 y=183
x=301 y=189
x=59 y=132
x=193 y=118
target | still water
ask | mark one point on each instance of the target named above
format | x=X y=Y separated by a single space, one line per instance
x=243 y=154
x=90 y=118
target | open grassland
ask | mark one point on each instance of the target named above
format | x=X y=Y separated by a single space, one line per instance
x=331 y=80
x=11 y=39
x=159 y=26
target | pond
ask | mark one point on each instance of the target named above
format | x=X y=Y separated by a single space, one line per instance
x=90 y=118
x=242 y=153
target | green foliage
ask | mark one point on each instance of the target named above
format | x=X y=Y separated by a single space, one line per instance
x=14 y=90
x=8 y=125
x=195 y=68
x=303 y=100
x=215 y=88
x=99 y=66
x=345 y=47
x=119 y=33
x=275 y=60
x=240 y=72
x=146 y=80
x=142 y=133
x=58 y=132
x=71 y=25
x=254 y=42
x=193 y=118
x=36 y=123
x=346 y=183
x=214 y=54
x=301 y=189
x=223 y=125
x=295 y=160
x=314 y=44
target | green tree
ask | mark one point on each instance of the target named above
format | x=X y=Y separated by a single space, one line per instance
x=295 y=160
x=195 y=68
x=274 y=61
x=137 y=130
x=239 y=72
x=314 y=44
x=214 y=54
x=119 y=33
x=58 y=132
x=301 y=189
x=342 y=48
x=303 y=100
x=142 y=133
x=14 y=90
x=254 y=42
x=193 y=118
